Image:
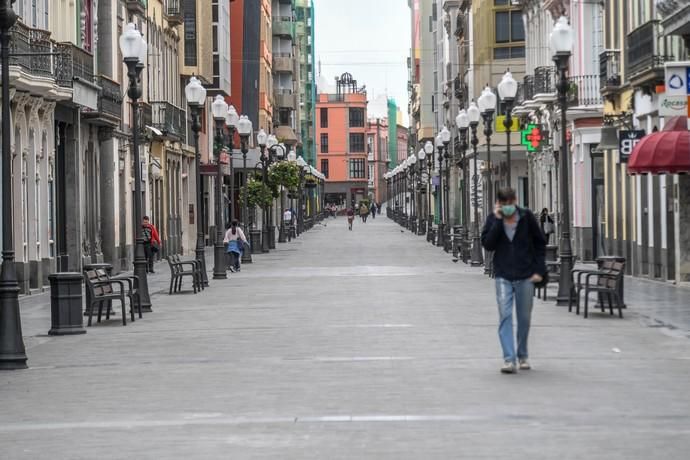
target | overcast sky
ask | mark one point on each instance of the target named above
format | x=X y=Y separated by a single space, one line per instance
x=368 y=38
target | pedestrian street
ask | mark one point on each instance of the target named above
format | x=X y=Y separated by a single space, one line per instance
x=357 y=344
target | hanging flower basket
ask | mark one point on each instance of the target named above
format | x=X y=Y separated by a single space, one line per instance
x=257 y=193
x=284 y=173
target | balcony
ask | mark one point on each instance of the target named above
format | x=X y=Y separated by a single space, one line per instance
x=169 y=119
x=284 y=99
x=609 y=71
x=646 y=55
x=584 y=91
x=26 y=40
x=174 y=12
x=109 y=112
x=137 y=6
x=282 y=26
x=145 y=116
x=283 y=62
x=545 y=84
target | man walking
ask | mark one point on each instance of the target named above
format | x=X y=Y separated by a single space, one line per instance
x=514 y=236
x=152 y=242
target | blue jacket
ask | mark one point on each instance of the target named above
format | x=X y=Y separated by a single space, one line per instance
x=521 y=258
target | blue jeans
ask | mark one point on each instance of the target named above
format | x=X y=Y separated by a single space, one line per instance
x=522 y=293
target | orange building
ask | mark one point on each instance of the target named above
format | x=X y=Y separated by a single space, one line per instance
x=341 y=142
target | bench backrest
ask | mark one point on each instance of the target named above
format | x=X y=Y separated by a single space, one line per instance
x=90 y=277
x=103 y=276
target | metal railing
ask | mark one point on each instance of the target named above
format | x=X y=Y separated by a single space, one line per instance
x=545 y=80
x=174 y=8
x=645 y=49
x=528 y=87
x=584 y=91
x=110 y=97
x=20 y=43
x=168 y=118
x=609 y=69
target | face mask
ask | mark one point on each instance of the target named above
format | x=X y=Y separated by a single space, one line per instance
x=508 y=209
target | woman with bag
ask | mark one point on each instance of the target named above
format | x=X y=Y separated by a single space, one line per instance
x=547 y=225
x=235 y=241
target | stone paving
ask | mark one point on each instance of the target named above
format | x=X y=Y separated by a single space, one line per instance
x=362 y=344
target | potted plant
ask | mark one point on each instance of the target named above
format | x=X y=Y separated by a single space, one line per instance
x=258 y=193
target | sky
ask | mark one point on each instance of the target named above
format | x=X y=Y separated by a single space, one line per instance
x=368 y=38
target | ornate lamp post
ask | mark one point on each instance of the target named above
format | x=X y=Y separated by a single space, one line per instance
x=196 y=98
x=445 y=137
x=487 y=106
x=507 y=89
x=245 y=130
x=412 y=224
x=421 y=185
x=133 y=48
x=303 y=171
x=282 y=232
x=462 y=121
x=562 y=44
x=477 y=257
x=231 y=121
x=275 y=152
x=429 y=152
x=219 y=108
x=12 y=351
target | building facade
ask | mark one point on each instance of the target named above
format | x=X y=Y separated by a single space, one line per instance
x=341 y=142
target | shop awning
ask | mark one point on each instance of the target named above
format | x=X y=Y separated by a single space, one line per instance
x=663 y=152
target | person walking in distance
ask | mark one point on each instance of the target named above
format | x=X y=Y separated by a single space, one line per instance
x=350 y=218
x=152 y=242
x=513 y=235
x=364 y=212
x=373 y=210
x=547 y=225
x=235 y=241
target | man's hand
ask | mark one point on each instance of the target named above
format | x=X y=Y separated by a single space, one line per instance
x=536 y=278
x=497 y=211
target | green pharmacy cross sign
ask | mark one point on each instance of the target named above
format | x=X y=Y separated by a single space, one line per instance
x=532 y=137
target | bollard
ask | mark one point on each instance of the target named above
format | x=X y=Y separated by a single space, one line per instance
x=66 y=304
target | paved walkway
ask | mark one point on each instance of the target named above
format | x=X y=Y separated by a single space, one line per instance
x=353 y=345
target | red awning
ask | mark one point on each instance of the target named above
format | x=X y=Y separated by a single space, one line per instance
x=663 y=152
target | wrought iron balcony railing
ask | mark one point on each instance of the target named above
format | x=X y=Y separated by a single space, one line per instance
x=609 y=70
x=110 y=97
x=584 y=91
x=169 y=119
x=174 y=12
x=544 y=80
x=646 y=53
x=528 y=87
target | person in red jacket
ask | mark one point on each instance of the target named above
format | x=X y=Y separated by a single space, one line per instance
x=152 y=242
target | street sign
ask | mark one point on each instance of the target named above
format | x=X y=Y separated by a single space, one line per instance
x=677 y=78
x=627 y=142
x=673 y=106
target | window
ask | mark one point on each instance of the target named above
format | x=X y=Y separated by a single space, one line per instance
x=190 y=54
x=357 y=142
x=356 y=118
x=370 y=144
x=324 y=168
x=357 y=169
x=509 y=27
x=509 y=52
x=371 y=172
x=324 y=143
x=501 y=2
x=324 y=118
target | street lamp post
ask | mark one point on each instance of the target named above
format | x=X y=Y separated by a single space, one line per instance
x=245 y=130
x=562 y=44
x=412 y=223
x=231 y=121
x=196 y=97
x=487 y=106
x=477 y=257
x=12 y=350
x=421 y=212
x=275 y=151
x=439 y=192
x=133 y=48
x=507 y=89
x=446 y=137
x=429 y=151
x=462 y=121
x=219 y=108
x=303 y=171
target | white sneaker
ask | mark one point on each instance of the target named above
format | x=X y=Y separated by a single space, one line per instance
x=508 y=368
x=524 y=365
